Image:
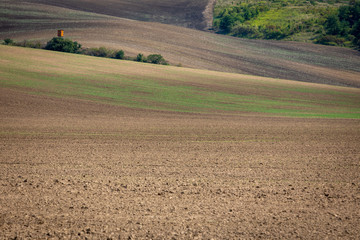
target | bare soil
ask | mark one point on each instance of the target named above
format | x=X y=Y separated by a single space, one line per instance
x=74 y=169
x=185 y=13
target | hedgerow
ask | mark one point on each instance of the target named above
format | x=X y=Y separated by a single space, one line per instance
x=66 y=45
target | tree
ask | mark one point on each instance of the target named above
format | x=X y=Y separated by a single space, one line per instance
x=120 y=54
x=333 y=25
x=140 y=58
x=356 y=32
x=156 y=59
x=63 y=45
x=9 y=41
x=227 y=23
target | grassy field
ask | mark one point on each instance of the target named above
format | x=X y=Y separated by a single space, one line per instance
x=166 y=88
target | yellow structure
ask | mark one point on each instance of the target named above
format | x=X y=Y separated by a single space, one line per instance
x=60 y=33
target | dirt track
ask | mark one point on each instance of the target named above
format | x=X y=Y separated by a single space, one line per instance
x=76 y=169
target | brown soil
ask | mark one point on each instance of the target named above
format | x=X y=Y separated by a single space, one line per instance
x=186 y=13
x=188 y=47
x=74 y=169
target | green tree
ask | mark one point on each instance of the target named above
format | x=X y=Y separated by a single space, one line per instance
x=227 y=23
x=140 y=58
x=332 y=25
x=156 y=59
x=9 y=41
x=120 y=54
x=63 y=45
x=356 y=32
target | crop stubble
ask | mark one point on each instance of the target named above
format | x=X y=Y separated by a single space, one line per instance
x=73 y=168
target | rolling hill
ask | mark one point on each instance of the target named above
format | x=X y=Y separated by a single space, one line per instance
x=186 y=13
x=34 y=21
x=165 y=88
x=107 y=149
x=100 y=148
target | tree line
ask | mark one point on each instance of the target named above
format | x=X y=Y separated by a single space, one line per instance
x=343 y=25
x=66 y=45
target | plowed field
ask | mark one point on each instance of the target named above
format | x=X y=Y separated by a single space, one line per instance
x=80 y=170
x=78 y=161
x=186 y=13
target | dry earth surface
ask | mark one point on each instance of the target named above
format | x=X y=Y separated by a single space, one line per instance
x=186 y=13
x=74 y=169
x=83 y=169
x=30 y=20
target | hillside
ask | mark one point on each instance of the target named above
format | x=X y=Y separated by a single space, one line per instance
x=323 y=22
x=164 y=88
x=96 y=148
x=188 y=47
x=186 y=13
x=103 y=148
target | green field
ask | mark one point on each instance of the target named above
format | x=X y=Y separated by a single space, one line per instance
x=147 y=86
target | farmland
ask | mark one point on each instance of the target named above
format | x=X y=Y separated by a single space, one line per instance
x=81 y=157
x=236 y=139
x=171 y=88
x=183 y=46
x=184 y=13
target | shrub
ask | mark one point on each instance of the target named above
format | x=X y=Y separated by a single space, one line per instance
x=356 y=32
x=9 y=41
x=140 y=58
x=63 y=45
x=227 y=23
x=273 y=32
x=332 y=25
x=330 y=40
x=30 y=44
x=246 y=30
x=99 y=52
x=156 y=59
x=312 y=2
x=120 y=54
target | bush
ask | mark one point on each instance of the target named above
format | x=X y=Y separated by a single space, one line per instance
x=30 y=44
x=333 y=25
x=63 y=45
x=227 y=23
x=273 y=32
x=246 y=30
x=330 y=40
x=9 y=42
x=140 y=58
x=99 y=52
x=120 y=54
x=356 y=32
x=156 y=59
